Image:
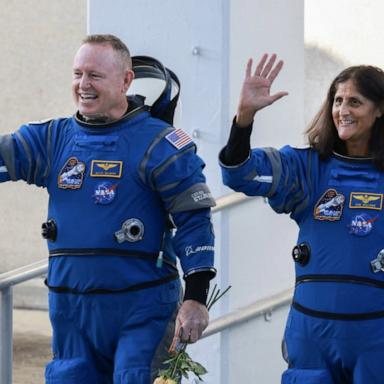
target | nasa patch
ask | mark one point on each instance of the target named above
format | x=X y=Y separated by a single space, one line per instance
x=105 y=193
x=330 y=206
x=72 y=174
x=361 y=225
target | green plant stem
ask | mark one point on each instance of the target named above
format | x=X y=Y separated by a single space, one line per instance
x=179 y=355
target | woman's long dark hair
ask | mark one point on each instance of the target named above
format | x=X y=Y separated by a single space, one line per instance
x=322 y=134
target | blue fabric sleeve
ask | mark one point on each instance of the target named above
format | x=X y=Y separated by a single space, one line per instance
x=281 y=175
x=24 y=155
x=7 y=158
x=194 y=241
x=181 y=185
x=4 y=174
x=181 y=182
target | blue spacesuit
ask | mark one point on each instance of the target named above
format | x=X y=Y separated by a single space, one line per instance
x=115 y=192
x=335 y=329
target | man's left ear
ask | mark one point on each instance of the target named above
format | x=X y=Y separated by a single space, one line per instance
x=128 y=78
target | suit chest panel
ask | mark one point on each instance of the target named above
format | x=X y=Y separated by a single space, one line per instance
x=351 y=197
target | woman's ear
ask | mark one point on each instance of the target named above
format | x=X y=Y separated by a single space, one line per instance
x=380 y=111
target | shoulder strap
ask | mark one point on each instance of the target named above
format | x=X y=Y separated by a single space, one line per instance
x=165 y=105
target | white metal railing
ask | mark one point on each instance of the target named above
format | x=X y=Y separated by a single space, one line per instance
x=30 y=271
x=7 y=281
x=259 y=308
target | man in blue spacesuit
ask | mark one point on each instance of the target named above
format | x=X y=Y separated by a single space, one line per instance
x=334 y=190
x=119 y=181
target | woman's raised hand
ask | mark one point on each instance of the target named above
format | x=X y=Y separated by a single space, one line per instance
x=255 y=93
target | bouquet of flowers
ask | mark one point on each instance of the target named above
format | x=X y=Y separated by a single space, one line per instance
x=180 y=364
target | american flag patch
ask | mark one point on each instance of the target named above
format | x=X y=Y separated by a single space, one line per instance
x=178 y=138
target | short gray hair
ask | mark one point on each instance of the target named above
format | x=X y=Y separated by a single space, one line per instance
x=113 y=41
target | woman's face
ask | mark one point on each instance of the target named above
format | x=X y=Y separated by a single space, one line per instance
x=354 y=115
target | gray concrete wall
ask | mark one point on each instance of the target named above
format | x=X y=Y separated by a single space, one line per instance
x=38 y=41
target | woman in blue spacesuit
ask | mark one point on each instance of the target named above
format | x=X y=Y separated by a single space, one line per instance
x=334 y=191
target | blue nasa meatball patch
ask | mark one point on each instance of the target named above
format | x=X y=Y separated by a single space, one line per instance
x=105 y=193
x=362 y=225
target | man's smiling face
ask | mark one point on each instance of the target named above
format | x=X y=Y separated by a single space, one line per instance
x=100 y=82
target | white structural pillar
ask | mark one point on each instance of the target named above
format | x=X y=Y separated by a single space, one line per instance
x=207 y=44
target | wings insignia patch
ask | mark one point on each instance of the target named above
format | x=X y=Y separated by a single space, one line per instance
x=106 y=168
x=364 y=200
